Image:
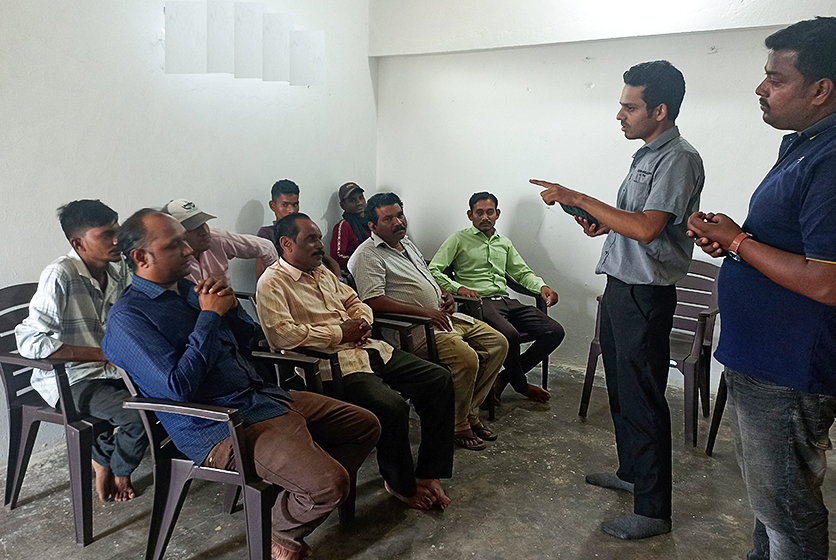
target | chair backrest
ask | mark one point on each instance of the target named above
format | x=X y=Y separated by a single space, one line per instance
x=695 y=293
x=14 y=308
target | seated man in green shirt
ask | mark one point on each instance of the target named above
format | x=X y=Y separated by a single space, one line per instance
x=485 y=278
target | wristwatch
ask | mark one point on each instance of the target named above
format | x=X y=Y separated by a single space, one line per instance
x=732 y=252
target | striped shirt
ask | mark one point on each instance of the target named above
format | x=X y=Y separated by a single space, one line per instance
x=296 y=308
x=69 y=307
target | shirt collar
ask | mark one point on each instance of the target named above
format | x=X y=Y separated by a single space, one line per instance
x=660 y=140
x=475 y=231
x=294 y=272
x=378 y=241
x=154 y=291
x=113 y=269
x=820 y=126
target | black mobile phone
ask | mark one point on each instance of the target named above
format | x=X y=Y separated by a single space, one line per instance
x=579 y=212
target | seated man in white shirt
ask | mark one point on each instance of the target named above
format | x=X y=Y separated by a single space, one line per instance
x=213 y=248
x=66 y=321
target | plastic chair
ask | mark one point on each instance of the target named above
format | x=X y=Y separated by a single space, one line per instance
x=174 y=472
x=691 y=340
x=27 y=410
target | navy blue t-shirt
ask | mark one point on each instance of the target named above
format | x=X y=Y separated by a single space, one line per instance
x=770 y=332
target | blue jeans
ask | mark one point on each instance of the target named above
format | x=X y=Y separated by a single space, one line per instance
x=781 y=436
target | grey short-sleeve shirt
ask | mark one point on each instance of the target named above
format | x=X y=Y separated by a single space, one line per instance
x=667 y=174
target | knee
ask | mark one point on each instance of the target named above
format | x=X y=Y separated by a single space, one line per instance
x=335 y=491
x=468 y=364
x=393 y=411
x=555 y=332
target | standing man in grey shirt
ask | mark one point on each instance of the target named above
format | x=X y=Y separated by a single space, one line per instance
x=646 y=252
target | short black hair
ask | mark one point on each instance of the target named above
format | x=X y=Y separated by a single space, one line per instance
x=78 y=216
x=484 y=195
x=662 y=83
x=814 y=41
x=377 y=201
x=285 y=186
x=134 y=235
x=287 y=227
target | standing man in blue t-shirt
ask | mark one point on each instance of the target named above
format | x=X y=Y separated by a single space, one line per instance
x=646 y=252
x=777 y=292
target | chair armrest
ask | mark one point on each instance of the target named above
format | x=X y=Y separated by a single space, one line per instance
x=310 y=364
x=519 y=288
x=710 y=312
x=469 y=305
x=205 y=411
x=45 y=364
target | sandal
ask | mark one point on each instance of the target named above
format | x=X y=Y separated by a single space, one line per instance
x=468 y=440
x=483 y=432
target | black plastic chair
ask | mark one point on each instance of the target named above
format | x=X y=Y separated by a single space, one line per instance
x=717 y=416
x=691 y=340
x=173 y=472
x=27 y=410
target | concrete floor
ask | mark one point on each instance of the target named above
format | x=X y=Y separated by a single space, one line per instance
x=523 y=497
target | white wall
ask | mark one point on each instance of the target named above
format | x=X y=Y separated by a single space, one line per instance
x=453 y=124
x=400 y=27
x=86 y=111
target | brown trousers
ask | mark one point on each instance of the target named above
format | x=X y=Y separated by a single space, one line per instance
x=312 y=452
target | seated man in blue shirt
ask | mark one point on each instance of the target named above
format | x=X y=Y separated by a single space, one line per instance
x=184 y=342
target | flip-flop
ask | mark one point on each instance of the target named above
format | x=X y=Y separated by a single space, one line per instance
x=483 y=432
x=469 y=441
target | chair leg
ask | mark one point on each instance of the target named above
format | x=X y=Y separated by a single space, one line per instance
x=589 y=379
x=691 y=403
x=258 y=500
x=347 y=508
x=172 y=490
x=80 y=457
x=705 y=382
x=231 y=494
x=719 y=405
x=23 y=429
x=546 y=372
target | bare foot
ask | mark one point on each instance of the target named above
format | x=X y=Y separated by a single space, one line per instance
x=537 y=394
x=105 y=482
x=278 y=552
x=123 y=491
x=434 y=486
x=422 y=499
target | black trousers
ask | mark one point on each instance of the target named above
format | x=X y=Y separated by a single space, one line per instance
x=636 y=323
x=512 y=318
x=430 y=388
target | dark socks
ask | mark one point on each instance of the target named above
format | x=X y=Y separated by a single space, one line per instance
x=635 y=526
x=609 y=480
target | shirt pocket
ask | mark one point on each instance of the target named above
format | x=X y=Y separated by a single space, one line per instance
x=638 y=190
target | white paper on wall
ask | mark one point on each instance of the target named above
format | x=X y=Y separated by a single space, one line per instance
x=220 y=36
x=185 y=37
x=307 y=58
x=276 y=41
x=248 y=42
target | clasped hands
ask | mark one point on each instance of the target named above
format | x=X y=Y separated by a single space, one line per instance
x=216 y=295
x=713 y=233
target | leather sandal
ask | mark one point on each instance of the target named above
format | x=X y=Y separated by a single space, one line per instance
x=483 y=432
x=468 y=440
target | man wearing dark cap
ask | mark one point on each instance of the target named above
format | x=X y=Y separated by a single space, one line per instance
x=212 y=248
x=353 y=229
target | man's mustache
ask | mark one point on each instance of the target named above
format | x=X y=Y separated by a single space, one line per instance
x=764 y=103
x=400 y=228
